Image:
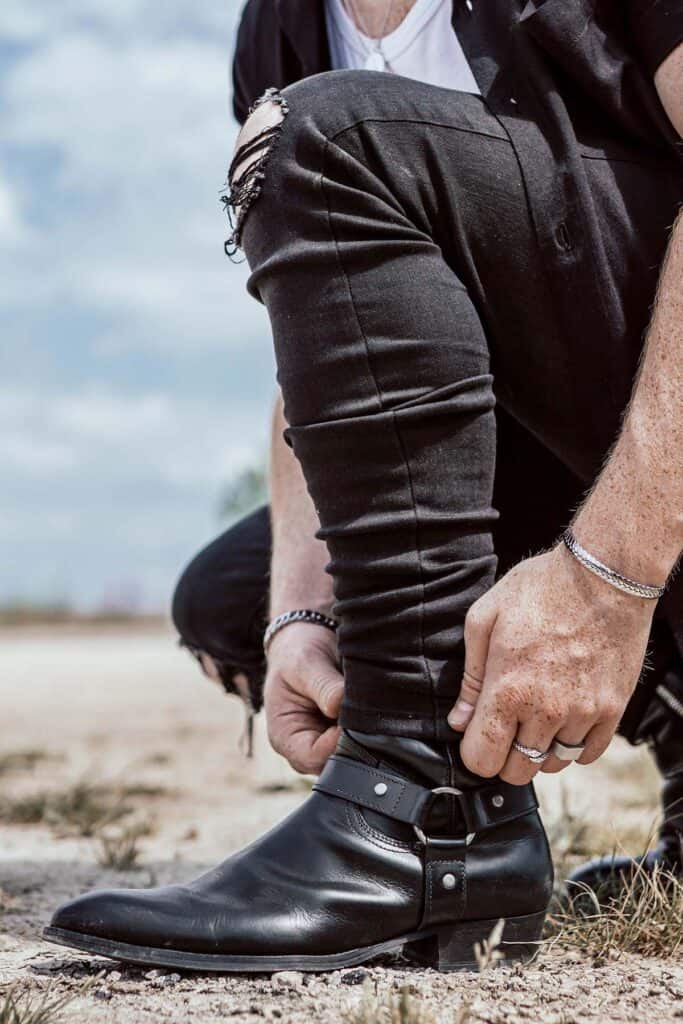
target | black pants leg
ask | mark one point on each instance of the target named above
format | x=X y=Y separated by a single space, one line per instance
x=220 y=603
x=392 y=246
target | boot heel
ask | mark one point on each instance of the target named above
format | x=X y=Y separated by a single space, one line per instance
x=451 y=947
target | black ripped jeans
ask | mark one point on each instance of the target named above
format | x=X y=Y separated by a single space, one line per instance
x=389 y=238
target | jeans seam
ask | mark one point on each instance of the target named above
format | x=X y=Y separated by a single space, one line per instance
x=346 y=277
x=418 y=548
x=426 y=669
x=420 y=121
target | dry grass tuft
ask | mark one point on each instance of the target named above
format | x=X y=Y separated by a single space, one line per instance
x=394 y=1005
x=83 y=809
x=7 y=901
x=24 y=760
x=644 y=916
x=120 y=849
x=32 y=1008
x=488 y=953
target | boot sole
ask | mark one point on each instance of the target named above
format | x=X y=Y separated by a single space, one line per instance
x=447 y=948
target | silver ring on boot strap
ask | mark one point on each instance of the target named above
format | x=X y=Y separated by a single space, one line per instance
x=384 y=790
x=424 y=839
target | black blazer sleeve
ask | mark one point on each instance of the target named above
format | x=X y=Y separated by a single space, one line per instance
x=262 y=57
x=657 y=29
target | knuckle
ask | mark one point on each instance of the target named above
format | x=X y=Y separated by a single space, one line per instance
x=479 y=765
x=585 y=707
x=513 y=695
x=611 y=709
x=585 y=710
x=552 y=716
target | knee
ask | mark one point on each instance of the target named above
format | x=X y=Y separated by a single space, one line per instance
x=321 y=104
x=247 y=168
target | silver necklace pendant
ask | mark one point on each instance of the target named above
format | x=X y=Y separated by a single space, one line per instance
x=375 y=61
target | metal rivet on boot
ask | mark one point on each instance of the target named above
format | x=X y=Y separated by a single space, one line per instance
x=448 y=881
x=498 y=800
x=381 y=788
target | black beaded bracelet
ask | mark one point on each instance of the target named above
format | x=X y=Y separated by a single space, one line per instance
x=297 y=615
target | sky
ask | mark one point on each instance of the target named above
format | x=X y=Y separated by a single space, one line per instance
x=136 y=373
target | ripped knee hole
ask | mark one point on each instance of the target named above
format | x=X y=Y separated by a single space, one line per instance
x=254 y=145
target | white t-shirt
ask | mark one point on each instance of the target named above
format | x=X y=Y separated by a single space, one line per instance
x=424 y=46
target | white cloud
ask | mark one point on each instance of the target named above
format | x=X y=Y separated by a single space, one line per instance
x=35 y=457
x=30 y=21
x=163 y=438
x=125 y=397
x=135 y=134
x=118 y=109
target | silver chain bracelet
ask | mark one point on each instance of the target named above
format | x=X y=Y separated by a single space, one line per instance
x=297 y=615
x=611 y=576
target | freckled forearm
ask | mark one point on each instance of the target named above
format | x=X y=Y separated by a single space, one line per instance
x=633 y=518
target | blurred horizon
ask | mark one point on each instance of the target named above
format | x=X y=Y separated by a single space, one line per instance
x=136 y=374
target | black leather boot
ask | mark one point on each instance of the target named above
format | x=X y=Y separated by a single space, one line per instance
x=399 y=846
x=662 y=726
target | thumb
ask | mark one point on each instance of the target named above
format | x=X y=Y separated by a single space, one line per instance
x=323 y=683
x=479 y=624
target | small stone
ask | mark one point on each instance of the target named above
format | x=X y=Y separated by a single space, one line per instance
x=354 y=976
x=114 y=976
x=287 y=979
x=169 y=979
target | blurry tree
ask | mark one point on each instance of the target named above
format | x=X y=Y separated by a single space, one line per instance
x=246 y=491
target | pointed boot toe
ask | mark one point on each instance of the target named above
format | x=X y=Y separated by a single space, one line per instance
x=115 y=916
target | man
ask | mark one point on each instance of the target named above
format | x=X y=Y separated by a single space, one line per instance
x=221 y=603
x=407 y=240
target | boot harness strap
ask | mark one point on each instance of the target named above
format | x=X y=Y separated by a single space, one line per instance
x=385 y=791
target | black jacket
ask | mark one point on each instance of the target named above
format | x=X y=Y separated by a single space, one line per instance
x=608 y=49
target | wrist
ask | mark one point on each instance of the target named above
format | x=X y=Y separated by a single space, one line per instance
x=285 y=602
x=297 y=637
x=297 y=576
x=632 y=519
x=606 y=599
x=617 y=580
x=296 y=616
x=299 y=583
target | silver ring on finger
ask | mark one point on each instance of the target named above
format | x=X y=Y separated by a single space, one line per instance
x=566 y=751
x=534 y=755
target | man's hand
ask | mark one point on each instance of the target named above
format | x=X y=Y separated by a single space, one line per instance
x=303 y=693
x=551 y=652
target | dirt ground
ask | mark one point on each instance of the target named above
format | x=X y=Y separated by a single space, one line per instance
x=114 y=732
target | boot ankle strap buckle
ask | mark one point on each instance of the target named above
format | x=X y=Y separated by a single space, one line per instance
x=381 y=789
x=443 y=840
